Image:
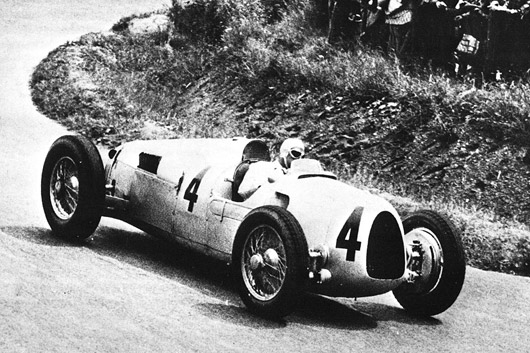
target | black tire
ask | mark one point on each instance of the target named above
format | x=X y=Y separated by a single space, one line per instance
x=73 y=187
x=273 y=288
x=434 y=294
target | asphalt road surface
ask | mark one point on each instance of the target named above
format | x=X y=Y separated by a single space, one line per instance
x=124 y=291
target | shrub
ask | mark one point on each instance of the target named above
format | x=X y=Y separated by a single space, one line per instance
x=201 y=20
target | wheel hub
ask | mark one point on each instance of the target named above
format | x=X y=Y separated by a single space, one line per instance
x=271 y=257
x=426 y=260
x=256 y=262
x=74 y=182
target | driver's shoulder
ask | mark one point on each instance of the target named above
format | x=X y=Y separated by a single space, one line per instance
x=265 y=165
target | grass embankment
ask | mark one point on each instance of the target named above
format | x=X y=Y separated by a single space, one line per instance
x=231 y=67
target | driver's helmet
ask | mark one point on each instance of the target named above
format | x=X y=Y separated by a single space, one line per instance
x=291 y=147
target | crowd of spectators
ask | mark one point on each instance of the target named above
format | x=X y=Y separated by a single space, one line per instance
x=460 y=37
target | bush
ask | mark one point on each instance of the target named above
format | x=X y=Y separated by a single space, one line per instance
x=201 y=20
x=207 y=20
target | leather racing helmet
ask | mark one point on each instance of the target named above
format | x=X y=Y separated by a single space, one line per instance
x=292 y=147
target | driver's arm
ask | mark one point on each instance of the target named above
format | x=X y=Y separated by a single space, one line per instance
x=258 y=174
x=253 y=179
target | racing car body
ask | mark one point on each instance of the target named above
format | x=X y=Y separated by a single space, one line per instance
x=306 y=231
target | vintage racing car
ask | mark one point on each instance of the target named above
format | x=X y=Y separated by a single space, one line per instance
x=305 y=232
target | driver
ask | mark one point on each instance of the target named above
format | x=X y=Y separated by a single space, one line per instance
x=261 y=172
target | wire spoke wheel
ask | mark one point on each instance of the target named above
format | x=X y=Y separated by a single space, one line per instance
x=264 y=262
x=270 y=261
x=64 y=188
x=73 y=187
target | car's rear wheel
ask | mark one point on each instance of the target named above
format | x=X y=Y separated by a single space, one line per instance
x=270 y=261
x=442 y=267
x=73 y=187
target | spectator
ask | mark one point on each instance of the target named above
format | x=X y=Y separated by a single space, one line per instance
x=399 y=17
x=436 y=38
x=508 y=42
x=471 y=50
x=521 y=7
x=344 y=21
x=374 y=31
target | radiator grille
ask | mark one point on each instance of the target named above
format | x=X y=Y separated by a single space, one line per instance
x=385 y=253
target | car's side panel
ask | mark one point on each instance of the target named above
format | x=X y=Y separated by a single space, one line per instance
x=170 y=185
x=224 y=215
x=191 y=213
x=224 y=218
x=153 y=200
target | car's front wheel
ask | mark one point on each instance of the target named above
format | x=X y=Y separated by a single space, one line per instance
x=270 y=261
x=437 y=257
x=73 y=187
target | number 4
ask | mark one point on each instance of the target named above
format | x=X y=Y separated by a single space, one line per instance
x=191 y=191
x=347 y=238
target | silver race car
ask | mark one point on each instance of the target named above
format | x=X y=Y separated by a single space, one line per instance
x=305 y=232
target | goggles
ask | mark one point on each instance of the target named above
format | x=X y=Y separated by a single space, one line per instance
x=296 y=154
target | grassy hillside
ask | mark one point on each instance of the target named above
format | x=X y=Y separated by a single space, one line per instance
x=245 y=67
